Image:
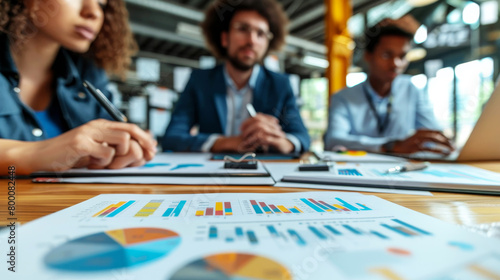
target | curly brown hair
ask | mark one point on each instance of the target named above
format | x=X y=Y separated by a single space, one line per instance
x=219 y=15
x=111 y=50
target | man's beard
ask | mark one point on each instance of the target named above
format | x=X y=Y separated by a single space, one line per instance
x=239 y=65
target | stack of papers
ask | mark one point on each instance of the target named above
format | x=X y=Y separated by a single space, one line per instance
x=310 y=235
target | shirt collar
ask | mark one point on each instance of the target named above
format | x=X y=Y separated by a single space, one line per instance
x=367 y=87
x=251 y=82
x=64 y=67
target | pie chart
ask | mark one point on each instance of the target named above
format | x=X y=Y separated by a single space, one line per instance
x=121 y=248
x=233 y=266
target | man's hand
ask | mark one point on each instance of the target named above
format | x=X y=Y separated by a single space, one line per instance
x=265 y=131
x=416 y=143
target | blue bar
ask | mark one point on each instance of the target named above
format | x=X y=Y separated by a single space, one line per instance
x=229 y=239
x=347 y=205
x=257 y=210
x=212 y=233
x=396 y=230
x=363 y=207
x=293 y=210
x=252 y=237
x=273 y=231
x=121 y=208
x=178 y=209
x=379 y=235
x=318 y=233
x=412 y=227
x=334 y=231
x=276 y=210
x=239 y=232
x=267 y=209
x=312 y=205
x=329 y=206
x=168 y=212
x=297 y=237
x=353 y=230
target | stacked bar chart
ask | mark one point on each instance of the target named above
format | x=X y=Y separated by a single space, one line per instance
x=113 y=209
x=174 y=209
x=220 y=209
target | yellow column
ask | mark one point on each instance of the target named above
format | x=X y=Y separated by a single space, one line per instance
x=338 y=42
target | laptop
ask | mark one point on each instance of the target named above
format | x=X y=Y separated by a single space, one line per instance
x=484 y=141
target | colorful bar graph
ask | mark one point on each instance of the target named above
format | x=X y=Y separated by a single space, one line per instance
x=317 y=232
x=321 y=205
x=349 y=172
x=174 y=211
x=295 y=236
x=312 y=205
x=148 y=209
x=328 y=205
x=347 y=205
x=113 y=209
x=256 y=207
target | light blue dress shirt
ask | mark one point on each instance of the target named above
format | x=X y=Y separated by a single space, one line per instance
x=237 y=100
x=352 y=122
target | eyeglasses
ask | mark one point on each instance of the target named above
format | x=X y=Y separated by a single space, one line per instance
x=246 y=29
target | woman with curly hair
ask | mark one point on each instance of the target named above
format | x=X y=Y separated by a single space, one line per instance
x=47 y=119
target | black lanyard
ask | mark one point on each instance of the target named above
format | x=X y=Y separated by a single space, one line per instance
x=380 y=125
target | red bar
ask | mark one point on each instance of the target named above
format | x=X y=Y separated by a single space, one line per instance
x=253 y=202
x=227 y=205
x=263 y=204
x=108 y=211
x=219 y=213
x=209 y=212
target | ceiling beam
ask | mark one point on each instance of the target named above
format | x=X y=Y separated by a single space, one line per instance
x=308 y=16
x=198 y=16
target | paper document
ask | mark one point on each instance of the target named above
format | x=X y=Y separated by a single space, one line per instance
x=437 y=177
x=299 y=236
x=168 y=164
x=357 y=156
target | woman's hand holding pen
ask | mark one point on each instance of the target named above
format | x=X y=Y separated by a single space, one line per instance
x=97 y=144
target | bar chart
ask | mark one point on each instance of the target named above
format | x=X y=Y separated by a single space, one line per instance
x=113 y=209
x=174 y=209
x=304 y=205
x=149 y=208
x=214 y=209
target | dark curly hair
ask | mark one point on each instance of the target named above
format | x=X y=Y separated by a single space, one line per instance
x=375 y=33
x=219 y=15
x=111 y=50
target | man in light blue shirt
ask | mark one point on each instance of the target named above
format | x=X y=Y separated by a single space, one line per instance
x=386 y=113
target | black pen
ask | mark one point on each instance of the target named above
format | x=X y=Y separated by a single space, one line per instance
x=112 y=110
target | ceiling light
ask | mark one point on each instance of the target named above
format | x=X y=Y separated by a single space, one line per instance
x=420 y=3
x=315 y=61
x=416 y=54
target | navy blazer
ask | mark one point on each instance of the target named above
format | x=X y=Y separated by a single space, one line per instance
x=203 y=103
x=18 y=121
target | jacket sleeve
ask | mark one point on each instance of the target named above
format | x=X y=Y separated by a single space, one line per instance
x=185 y=115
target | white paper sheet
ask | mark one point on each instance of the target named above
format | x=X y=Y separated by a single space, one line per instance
x=278 y=170
x=446 y=177
x=172 y=237
x=358 y=157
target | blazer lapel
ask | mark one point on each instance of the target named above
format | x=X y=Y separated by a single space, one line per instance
x=220 y=91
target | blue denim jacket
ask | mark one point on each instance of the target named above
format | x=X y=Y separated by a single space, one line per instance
x=18 y=122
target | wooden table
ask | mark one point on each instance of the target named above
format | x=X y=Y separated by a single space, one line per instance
x=37 y=200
